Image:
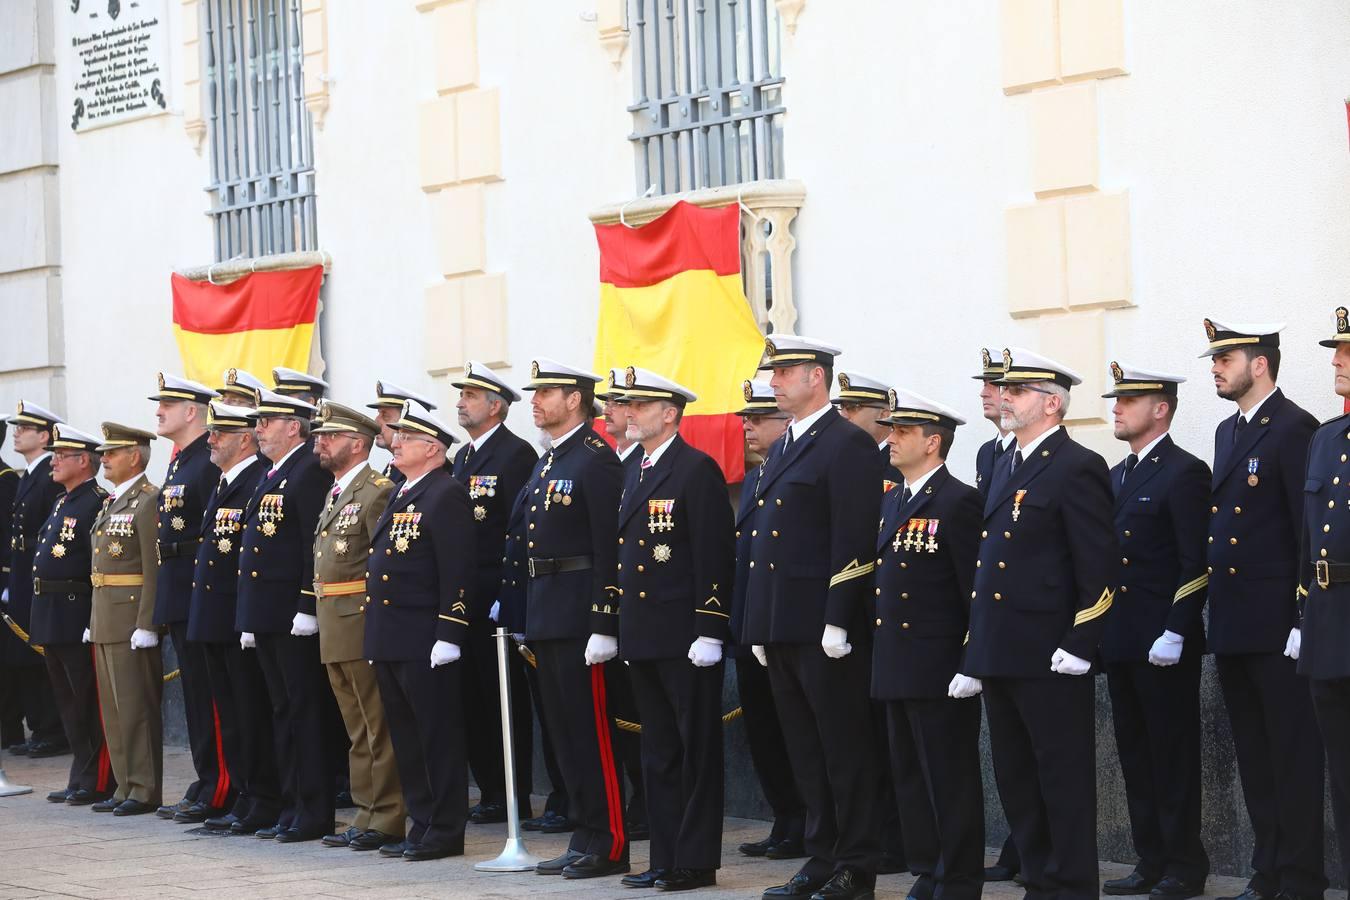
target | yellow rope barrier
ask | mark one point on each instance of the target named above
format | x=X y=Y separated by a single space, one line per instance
x=21 y=634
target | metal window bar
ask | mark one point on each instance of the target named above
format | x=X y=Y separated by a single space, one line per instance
x=260 y=132
x=709 y=87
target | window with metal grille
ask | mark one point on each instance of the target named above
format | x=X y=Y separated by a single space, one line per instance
x=262 y=142
x=709 y=85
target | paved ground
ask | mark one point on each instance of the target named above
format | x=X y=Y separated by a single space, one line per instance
x=50 y=850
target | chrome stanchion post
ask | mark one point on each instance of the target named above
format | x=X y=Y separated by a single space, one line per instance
x=514 y=856
x=9 y=789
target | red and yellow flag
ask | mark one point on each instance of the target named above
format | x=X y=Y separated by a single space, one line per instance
x=671 y=301
x=262 y=320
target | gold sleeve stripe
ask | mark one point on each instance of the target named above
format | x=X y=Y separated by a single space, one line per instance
x=451 y=619
x=1097 y=609
x=712 y=612
x=852 y=571
x=967 y=639
x=1190 y=587
x=1301 y=592
x=307 y=593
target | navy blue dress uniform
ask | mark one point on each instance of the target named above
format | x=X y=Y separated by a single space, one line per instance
x=871 y=393
x=188 y=484
x=810 y=566
x=1324 y=593
x=62 y=595
x=992 y=450
x=763 y=731
x=420 y=584
x=1161 y=517
x=390 y=396
x=926 y=548
x=494 y=474
x=1256 y=505
x=1044 y=581
x=238 y=688
x=675 y=571
x=34 y=496
x=571 y=546
x=276 y=571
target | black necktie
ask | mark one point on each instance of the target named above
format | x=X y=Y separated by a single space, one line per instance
x=1240 y=424
x=221 y=486
x=1130 y=462
x=905 y=496
x=1016 y=460
x=787 y=442
x=999 y=447
x=468 y=454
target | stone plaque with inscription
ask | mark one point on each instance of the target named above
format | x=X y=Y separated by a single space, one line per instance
x=118 y=57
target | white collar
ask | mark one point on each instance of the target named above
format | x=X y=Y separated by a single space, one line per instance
x=38 y=460
x=1036 y=442
x=1006 y=439
x=239 y=467
x=922 y=480
x=800 y=426
x=125 y=486
x=1148 y=448
x=478 y=442
x=559 y=441
x=627 y=451
x=1251 y=413
x=341 y=483
x=656 y=454
x=289 y=453
x=884 y=446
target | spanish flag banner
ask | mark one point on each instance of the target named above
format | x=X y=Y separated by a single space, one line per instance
x=262 y=320
x=671 y=301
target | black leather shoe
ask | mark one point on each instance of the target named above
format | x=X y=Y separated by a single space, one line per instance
x=196 y=814
x=19 y=749
x=593 y=865
x=890 y=864
x=557 y=864
x=556 y=823
x=344 y=800
x=133 y=808
x=60 y=796
x=1172 y=887
x=1250 y=893
x=254 y=825
x=173 y=809
x=296 y=836
x=46 y=749
x=84 y=797
x=847 y=884
x=394 y=849
x=222 y=823
x=109 y=805
x=799 y=885
x=371 y=840
x=420 y=852
x=1290 y=895
x=922 y=888
x=1134 y=883
x=687 y=879
x=488 y=813
x=644 y=879
x=637 y=831
x=998 y=873
x=787 y=848
x=268 y=832
x=756 y=848
x=344 y=839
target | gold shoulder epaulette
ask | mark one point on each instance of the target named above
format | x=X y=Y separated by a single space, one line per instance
x=595 y=443
x=382 y=481
x=148 y=488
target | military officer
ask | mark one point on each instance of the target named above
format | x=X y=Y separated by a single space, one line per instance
x=388 y=406
x=493 y=466
x=276 y=612
x=1044 y=581
x=240 y=388
x=808 y=596
x=300 y=385
x=343 y=440
x=420 y=593
x=122 y=627
x=675 y=568
x=1256 y=506
x=862 y=400
x=238 y=688
x=926 y=547
x=62 y=562
x=615 y=415
x=34 y=497
x=181 y=417
x=1324 y=587
x=1154 y=638
x=763 y=425
x=572 y=607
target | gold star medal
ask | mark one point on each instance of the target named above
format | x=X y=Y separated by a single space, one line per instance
x=479 y=513
x=59 y=550
x=269 y=528
x=661 y=553
x=340 y=545
x=224 y=545
x=401 y=544
x=177 y=523
x=115 y=549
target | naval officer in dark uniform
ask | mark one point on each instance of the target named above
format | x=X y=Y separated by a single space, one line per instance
x=674 y=572
x=1256 y=506
x=420 y=597
x=572 y=611
x=862 y=400
x=388 y=406
x=1320 y=643
x=1155 y=636
x=1044 y=582
x=62 y=598
x=493 y=466
x=807 y=616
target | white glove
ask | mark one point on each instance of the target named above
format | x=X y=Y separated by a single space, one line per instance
x=1166 y=650
x=758 y=650
x=1294 y=645
x=834 y=641
x=4 y=596
x=443 y=652
x=495 y=611
x=705 y=651
x=304 y=625
x=964 y=686
x=601 y=648
x=86 y=637
x=247 y=641
x=1065 y=663
x=144 y=640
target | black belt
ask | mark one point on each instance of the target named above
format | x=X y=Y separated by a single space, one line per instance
x=175 y=549
x=73 y=586
x=559 y=564
x=1329 y=573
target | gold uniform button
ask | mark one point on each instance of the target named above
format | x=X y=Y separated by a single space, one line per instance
x=367 y=598
x=1209 y=570
x=878 y=560
x=1326 y=528
x=1237 y=510
x=904 y=596
x=1232 y=571
x=530 y=545
x=754 y=533
x=738 y=535
x=1002 y=564
x=1211 y=538
x=1324 y=552
x=640 y=568
x=1336 y=480
x=1124 y=560
x=360 y=609
x=641 y=542
x=778 y=502
x=878 y=622
x=904 y=624
x=620 y=567
x=775 y=534
x=904 y=565
x=532 y=526
x=998 y=596
x=761 y=503
x=386 y=603
x=384 y=577
x=318 y=553
x=1007 y=534
x=1127 y=532
x=324 y=533
x=878 y=594
x=1124 y=589
x=642 y=595
x=388 y=552
x=621 y=539
x=1331 y=504
x=984 y=534
x=752 y=563
x=1213 y=509
x=972 y=595
x=255 y=574
x=978 y=563
x=1233 y=541
x=370 y=551
x=533 y=508
x=96 y=551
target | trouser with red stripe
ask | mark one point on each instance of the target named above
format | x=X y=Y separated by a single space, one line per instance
x=71 y=667
x=204 y=738
x=244 y=719
x=576 y=709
